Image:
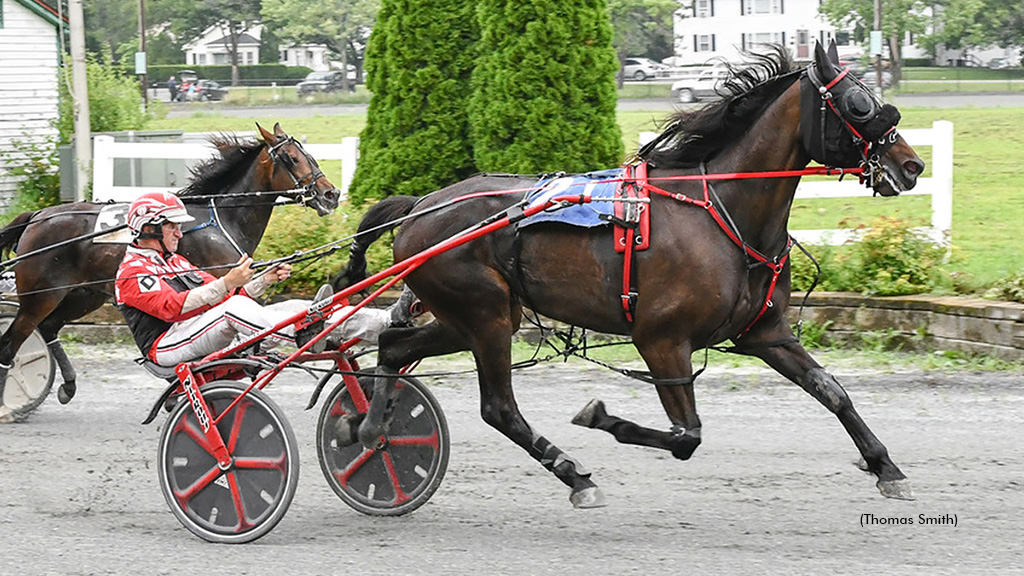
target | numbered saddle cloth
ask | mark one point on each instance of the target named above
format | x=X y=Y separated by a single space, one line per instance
x=601 y=186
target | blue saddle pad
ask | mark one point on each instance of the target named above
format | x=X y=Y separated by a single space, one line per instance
x=600 y=184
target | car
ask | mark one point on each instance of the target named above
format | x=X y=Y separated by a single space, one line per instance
x=999 y=63
x=314 y=82
x=642 y=68
x=870 y=78
x=210 y=90
x=704 y=85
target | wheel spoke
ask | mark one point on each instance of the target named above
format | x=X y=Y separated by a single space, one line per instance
x=236 y=497
x=389 y=465
x=196 y=435
x=431 y=440
x=354 y=466
x=262 y=463
x=203 y=481
x=236 y=425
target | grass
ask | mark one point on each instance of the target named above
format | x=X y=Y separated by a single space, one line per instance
x=988 y=183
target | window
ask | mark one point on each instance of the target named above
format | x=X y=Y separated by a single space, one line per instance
x=704 y=43
x=704 y=8
x=759 y=41
x=749 y=7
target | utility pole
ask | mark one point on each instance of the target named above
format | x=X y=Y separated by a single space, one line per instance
x=80 y=96
x=142 y=48
x=876 y=37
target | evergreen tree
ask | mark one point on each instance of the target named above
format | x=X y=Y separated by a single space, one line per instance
x=419 y=61
x=544 y=93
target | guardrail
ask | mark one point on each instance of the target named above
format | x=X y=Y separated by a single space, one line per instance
x=106 y=151
x=939 y=186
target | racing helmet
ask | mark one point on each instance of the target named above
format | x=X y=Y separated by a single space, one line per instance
x=155 y=208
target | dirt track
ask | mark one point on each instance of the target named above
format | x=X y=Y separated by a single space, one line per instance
x=771 y=490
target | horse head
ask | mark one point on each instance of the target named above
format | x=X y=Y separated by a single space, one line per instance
x=845 y=125
x=300 y=171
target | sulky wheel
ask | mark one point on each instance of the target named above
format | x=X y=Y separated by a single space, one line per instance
x=405 y=470
x=246 y=501
x=31 y=376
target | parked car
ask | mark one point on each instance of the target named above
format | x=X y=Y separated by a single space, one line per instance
x=870 y=78
x=642 y=68
x=210 y=90
x=999 y=63
x=703 y=85
x=321 y=82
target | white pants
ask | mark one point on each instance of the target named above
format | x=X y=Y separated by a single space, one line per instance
x=241 y=316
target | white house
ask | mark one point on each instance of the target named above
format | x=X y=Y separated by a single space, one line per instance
x=211 y=47
x=708 y=29
x=313 y=56
x=30 y=53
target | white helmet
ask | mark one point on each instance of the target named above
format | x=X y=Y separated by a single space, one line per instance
x=156 y=208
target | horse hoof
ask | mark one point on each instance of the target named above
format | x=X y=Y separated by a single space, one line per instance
x=587 y=417
x=7 y=415
x=66 y=392
x=588 y=498
x=898 y=489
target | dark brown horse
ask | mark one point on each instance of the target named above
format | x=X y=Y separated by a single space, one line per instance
x=67 y=282
x=701 y=281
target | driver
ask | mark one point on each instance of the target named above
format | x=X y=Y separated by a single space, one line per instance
x=177 y=312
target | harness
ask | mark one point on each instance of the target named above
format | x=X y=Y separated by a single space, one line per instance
x=635 y=182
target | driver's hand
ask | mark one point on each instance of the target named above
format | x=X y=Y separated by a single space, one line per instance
x=279 y=272
x=240 y=274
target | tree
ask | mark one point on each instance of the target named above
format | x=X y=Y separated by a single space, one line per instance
x=189 y=19
x=114 y=102
x=642 y=28
x=544 y=93
x=965 y=24
x=418 y=61
x=341 y=25
x=898 y=18
x=109 y=25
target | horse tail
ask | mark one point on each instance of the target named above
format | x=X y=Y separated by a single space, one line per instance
x=11 y=233
x=382 y=217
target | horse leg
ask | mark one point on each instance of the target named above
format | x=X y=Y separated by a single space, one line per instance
x=792 y=361
x=72 y=307
x=397 y=347
x=30 y=312
x=665 y=360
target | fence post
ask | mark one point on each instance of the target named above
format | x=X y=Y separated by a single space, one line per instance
x=942 y=173
x=349 y=157
x=102 y=166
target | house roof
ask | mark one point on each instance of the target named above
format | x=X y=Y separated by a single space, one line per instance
x=243 y=39
x=47 y=9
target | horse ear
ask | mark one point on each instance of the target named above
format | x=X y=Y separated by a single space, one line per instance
x=277 y=129
x=833 y=53
x=823 y=64
x=267 y=136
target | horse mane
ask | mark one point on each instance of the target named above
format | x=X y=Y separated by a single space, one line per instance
x=694 y=136
x=229 y=169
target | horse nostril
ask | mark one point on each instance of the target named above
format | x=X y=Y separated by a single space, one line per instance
x=913 y=167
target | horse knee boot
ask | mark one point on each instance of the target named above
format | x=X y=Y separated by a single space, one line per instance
x=825 y=389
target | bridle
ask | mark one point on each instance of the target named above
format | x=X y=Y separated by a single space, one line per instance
x=307 y=183
x=852 y=105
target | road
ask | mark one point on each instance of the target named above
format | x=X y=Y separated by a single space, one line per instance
x=772 y=490
x=936 y=100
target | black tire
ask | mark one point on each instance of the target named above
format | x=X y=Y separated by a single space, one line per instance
x=687 y=96
x=405 y=472
x=640 y=75
x=30 y=378
x=263 y=492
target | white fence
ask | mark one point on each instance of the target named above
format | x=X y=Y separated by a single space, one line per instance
x=939 y=185
x=106 y=151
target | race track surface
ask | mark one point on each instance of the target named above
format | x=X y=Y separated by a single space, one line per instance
x=772 y=489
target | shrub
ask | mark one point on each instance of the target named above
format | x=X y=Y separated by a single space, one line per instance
x=1010 y=289
x=293 y=228
x=115 y=103
x=891 y=258
x=35 y=165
